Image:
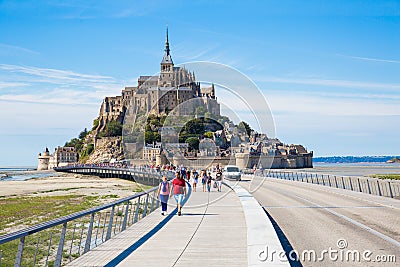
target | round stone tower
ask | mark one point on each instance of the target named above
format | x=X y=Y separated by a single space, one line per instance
x=44 y=160
x=242 y=160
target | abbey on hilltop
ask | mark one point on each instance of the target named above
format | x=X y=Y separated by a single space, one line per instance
x=160 y=94
x=130 y=126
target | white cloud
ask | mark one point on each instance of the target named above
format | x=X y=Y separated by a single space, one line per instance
x=17 y=48
x=290 y=102
x=373 y=59
x=11 y=84
x=57 y=75
x=330 y=82
x=53 y=86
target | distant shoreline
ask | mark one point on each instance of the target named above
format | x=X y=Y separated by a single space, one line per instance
x=353 y=159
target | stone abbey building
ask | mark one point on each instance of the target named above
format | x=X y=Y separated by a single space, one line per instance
x=172 y=89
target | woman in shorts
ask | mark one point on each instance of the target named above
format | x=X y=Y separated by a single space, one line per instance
x=195 y=176
x=178 y=189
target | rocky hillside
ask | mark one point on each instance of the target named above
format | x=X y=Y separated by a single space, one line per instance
x=107 y=148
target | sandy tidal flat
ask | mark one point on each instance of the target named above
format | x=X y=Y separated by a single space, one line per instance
x=63 y=184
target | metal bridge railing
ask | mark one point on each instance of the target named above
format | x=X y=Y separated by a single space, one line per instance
x=374 y=186
x=59 y=241
x=146 y=176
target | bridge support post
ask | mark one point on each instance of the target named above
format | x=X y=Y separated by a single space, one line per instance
x=379 y=188
x=125 y=216
x=18 y=259
x=152 y=201
x=145 y=206
x=108 y=236
x=369 y=188
x=57 y=263
x=137 y=210
x=390 y=190
x=89 y=234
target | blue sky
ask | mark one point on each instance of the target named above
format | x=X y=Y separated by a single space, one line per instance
x=330 y=70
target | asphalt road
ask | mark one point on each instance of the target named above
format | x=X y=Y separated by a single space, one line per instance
x=354 y=229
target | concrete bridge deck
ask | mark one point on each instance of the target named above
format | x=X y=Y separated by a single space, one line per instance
x=215 y=229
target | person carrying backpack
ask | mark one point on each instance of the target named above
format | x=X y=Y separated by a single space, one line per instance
x=163 y=193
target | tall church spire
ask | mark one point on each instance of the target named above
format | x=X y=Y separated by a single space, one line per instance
x=167 y=63
x=167 y=43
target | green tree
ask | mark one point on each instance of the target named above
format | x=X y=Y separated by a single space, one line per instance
x=200 y=110
x=76 y=143
x=95 y=124
x=208 y=135
x=194 y=127
x=149 y=137
x=83 y=134
x=193 y=143
x=244 y=125
x=112 y=128
x=89 y=150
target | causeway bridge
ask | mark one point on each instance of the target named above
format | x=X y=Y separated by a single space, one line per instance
x=274 y=218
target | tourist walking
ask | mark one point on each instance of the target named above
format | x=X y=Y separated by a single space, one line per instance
x=178 y=189
x=203 y=176
x=163 y=193
x=209 y=181
x=218 y=180
x=195 y=179
x=183 y=172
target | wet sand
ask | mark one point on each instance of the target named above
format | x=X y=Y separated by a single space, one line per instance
x=361 y=169
x=68 y=184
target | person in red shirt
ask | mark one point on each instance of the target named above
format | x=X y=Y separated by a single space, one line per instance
x=178 y=189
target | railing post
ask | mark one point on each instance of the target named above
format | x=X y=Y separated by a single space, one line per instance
x=379 y=188
x=323 y=182
x=390 y=190
x=36 y=251
x=137 y=210
x=125 y=216
x=57 y=263
x=344 y=187
x=369 y=188
x=329 y=180
x=89 y=234
x=18 y=259
x=336 y=182
x=359 y=184
x=351 y=184
x=152 y=201
x=145 y=207
x=110 y=223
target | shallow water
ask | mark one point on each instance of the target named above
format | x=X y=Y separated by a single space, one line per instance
x=22 y=173
x=354 y=169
